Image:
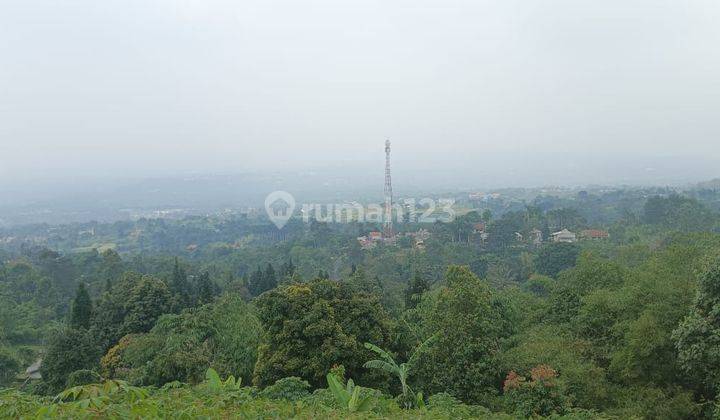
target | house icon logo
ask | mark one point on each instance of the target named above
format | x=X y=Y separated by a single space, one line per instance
x=279 y=206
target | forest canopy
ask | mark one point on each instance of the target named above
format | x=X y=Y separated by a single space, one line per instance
x=618 y=326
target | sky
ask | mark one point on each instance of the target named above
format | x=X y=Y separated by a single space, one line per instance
x=528 y=91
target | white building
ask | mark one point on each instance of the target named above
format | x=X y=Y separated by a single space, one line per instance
x=564 y=236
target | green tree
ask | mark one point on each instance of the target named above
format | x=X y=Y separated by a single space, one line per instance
x=677 y=212
x=313 y=326
x=82 y=309
x=360 y=282
x=461 y=227
x=223 y=335
x=697 y=338
x=287 y=269
x=417 y=286
x=502 y=231
x=111 y=267
x=590 y=273
x=480 y=265
x=68 y=350
x=269 y=278
x=471 y=326
x=556 y=257
x=542 y=396
x=205 y=289
x=255 y=284
x=586 y=382
x=262 y=281
x=563 y=304
x=111 y=309
x=179 y=286
x=147 y=300
x=487 y=216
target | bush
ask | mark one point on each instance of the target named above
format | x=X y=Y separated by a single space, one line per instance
x=655 y=403
x=446 y=405
x=290 y=389
x=586 y=383
x=441 y=401
x=9 y=366
x=83 y=377
x=542 y=396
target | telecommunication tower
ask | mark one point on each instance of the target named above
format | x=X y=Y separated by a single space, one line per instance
x=388 y=226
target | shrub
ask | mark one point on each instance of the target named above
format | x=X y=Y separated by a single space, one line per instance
x=214 y=384
x=655 y=403
x=290 y=389
x=83 y=377
x=585 y=382
x=408 y=398
x=348 y=396
x=444 y=404
x=543 y=395
x=9 y=366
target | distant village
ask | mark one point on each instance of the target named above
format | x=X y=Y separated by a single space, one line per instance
x=372 y=239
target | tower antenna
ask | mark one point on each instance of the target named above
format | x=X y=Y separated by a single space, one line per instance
x=388 y=225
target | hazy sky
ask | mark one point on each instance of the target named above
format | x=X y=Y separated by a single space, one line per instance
x=142 y=87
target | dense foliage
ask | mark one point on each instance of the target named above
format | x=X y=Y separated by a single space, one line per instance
x=482 y=320
x=223 y=335
x=218 y=398
x=313 y=326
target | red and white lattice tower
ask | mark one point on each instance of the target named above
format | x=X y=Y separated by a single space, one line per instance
x=388 y=226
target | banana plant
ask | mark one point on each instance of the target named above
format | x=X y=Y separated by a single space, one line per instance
x=402 y=371
x=349 y=396
x=216 y=384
